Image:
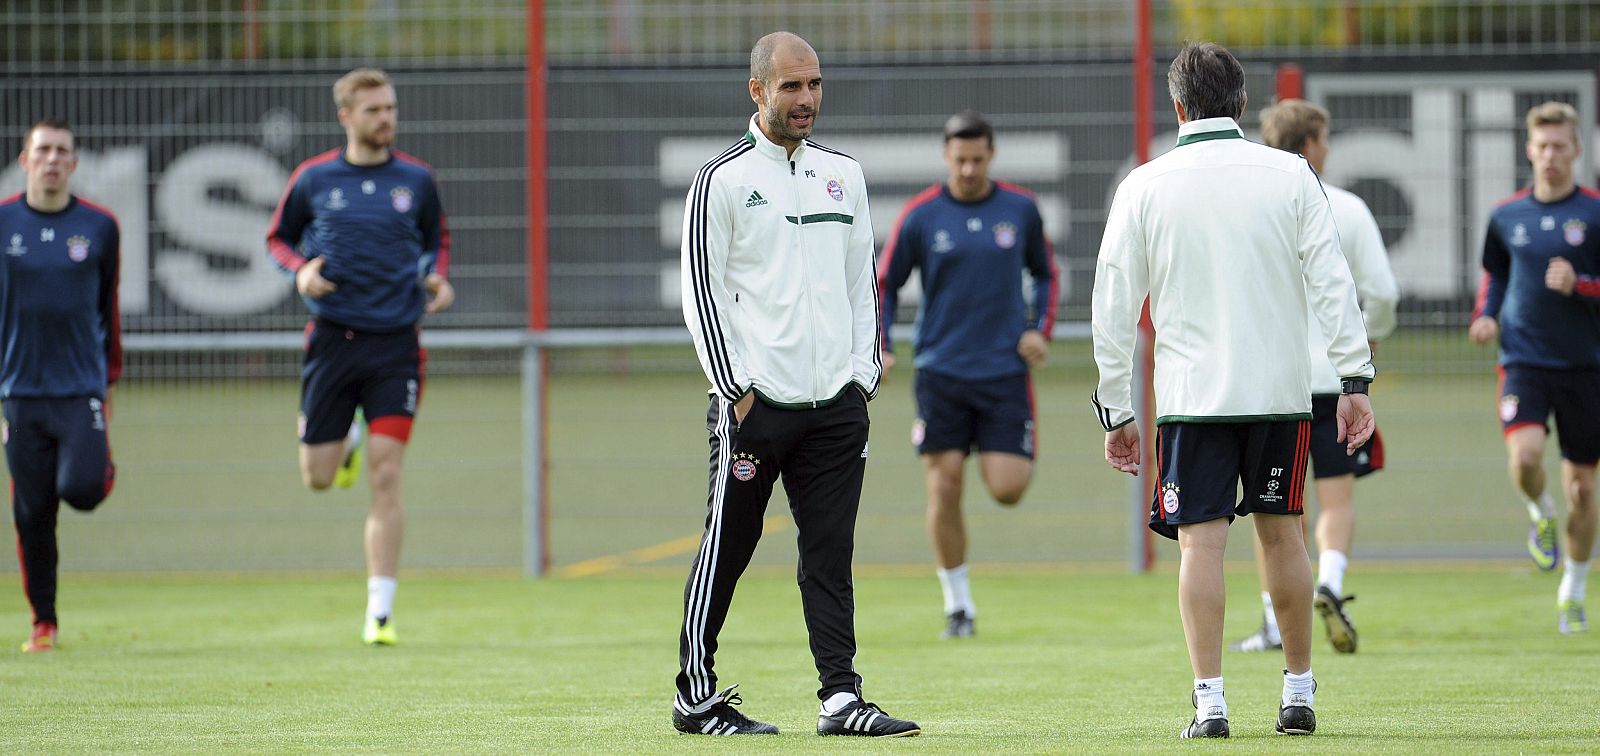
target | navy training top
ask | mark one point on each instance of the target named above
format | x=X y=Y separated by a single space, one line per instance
x=971 y=256
x=1540 y=327
x=381 y=229
x=60 y=334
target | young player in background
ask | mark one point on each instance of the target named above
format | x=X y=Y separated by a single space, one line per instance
x=1541 y=297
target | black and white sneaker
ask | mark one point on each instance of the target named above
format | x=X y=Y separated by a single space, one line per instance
x=1341 y=631
x=959 y=624
x=866 y=719
x=718 y=718
x=1296 y=717
x=1214 y=725
x=1296 y=720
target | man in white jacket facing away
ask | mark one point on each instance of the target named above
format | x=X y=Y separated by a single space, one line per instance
x=1234 y=244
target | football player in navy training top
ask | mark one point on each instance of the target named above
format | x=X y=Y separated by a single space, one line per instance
x=362 y=230
x=1541 y=297
x=60 y=351
x=977 y=335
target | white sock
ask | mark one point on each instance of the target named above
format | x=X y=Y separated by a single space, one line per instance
x=1330 y=570
x=957 y=591
x=1574 y=581
x=1271 y=617
x=1299 y=685
x=380 y=596
x=1544 y=507
x=837 y=701
x=1209 y=703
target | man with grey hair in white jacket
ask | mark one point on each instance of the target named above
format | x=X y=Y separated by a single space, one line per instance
x=781 y=297
x=1234 y=244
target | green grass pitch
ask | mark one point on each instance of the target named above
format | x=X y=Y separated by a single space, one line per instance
x=1452 y=660
x=213 y=605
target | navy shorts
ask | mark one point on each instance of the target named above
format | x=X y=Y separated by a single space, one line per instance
x=1200 y=466
x=957 y=415
x=382 y=373
x=1529 y=395
x=1328 y=457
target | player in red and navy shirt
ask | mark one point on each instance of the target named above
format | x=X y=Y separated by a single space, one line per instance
x=977 y=334
x=60 y=351
x=1541 y=296
x=362 y=230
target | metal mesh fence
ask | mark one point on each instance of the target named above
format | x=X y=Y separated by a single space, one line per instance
x=255 y=35
x=193 y=165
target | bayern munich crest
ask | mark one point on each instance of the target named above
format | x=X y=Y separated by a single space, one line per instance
x=1508 y=408
x=1169 y=498
x=1005 y=235
x=78 y=248
x=836 y=190
x=744 y=466
x=400 y=197
x=1572 y=231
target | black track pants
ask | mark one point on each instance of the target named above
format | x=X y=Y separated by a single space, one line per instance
x=821 y=455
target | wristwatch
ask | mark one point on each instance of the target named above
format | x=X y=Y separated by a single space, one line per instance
x=1354 y=386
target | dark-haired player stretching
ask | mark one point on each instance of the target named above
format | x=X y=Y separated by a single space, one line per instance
x=60 y=351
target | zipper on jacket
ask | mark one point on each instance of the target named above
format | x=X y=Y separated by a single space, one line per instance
x=799 y=218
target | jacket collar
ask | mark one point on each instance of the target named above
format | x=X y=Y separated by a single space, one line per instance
x=768 y=147
x=1208 y=128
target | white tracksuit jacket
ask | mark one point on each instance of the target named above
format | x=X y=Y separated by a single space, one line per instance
x=779 y=290
x=1362 y=244
x=1234 y=243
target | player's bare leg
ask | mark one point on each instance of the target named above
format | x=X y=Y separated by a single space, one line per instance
x=1525 y=453
x=1525 y=464
x=386 y=519
x=1288 y=579
x=1202 y=599
x=1336 y=513
x=1336 y=528
x=1266 y=638
x=384 y=534
x=319 y=462
x=1578 y=480
x=944 y=472
x=1283 y=543
x=947 y=531
x=1006 y=475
